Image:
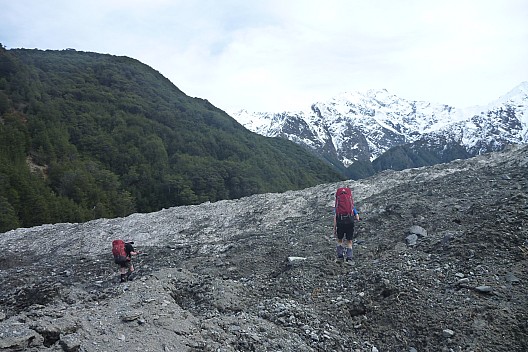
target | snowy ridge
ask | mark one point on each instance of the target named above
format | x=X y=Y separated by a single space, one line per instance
x=363 y=125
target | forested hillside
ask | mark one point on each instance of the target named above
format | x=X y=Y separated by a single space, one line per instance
x=86 y=135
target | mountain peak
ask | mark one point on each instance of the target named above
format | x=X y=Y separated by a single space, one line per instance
x=522 y=88
x=518 y=95
x=361 y=126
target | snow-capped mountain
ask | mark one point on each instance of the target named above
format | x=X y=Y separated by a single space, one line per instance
x=362 y=126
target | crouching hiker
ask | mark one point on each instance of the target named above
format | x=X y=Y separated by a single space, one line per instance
x=123 y=252
x=345 y=213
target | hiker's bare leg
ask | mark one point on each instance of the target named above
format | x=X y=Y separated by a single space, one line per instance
x=122 y=273
x=130 y=270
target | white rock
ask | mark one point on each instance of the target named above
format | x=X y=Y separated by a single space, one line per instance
x=448 y=333
x=293 y=259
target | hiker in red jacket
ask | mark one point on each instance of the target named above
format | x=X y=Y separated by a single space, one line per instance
x=130 y=251
x=123 y=252
x=344 y=215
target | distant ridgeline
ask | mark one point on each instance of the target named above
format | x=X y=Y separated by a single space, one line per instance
x=85 y=135
x=363 y=133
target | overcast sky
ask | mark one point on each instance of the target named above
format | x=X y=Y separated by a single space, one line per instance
x=275 y=55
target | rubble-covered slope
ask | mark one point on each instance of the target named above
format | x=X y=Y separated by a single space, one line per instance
x=440 y=265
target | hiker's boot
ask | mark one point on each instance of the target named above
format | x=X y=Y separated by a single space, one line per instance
x=339 y=250
x=129 y=276
x=123 y=277
x=349 y=256
x=339 y=259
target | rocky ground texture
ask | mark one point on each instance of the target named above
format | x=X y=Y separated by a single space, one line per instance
x=440 y=264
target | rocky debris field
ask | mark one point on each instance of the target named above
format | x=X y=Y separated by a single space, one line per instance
x=440 y=264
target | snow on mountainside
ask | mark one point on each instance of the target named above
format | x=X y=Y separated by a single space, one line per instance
x=362 y=126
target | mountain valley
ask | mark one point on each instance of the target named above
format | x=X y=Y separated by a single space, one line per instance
x=441 y=258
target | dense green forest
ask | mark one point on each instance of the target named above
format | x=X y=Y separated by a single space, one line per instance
x=86 y=135
x=418 y=154
x=410 y=155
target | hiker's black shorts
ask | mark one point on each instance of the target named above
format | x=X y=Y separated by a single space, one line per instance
x=345 y=230
x=126 y=264
x=123 y=262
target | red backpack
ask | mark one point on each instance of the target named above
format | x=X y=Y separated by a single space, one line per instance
x=118 y=250
x=344 y=203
